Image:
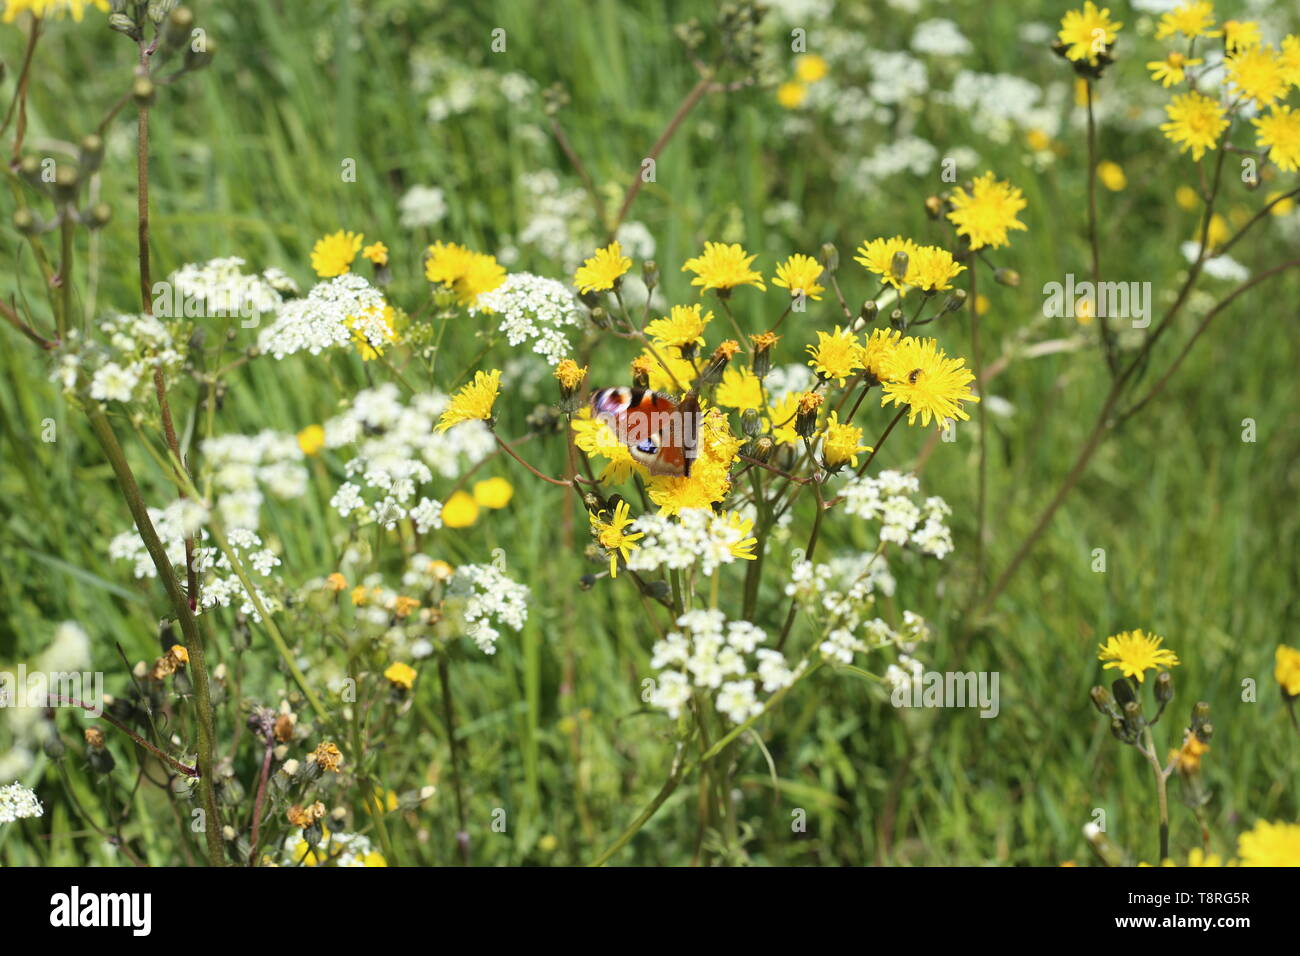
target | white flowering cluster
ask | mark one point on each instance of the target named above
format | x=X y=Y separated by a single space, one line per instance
x=339 y=849
x=697 y=535
x=421 y=206
x=940 y=37
x=242 y=465
x=709 y=653
x=335 y=312
x=121 y=361
x=490 y=597
x=221 y=287
x=888 y=498
x=907 y=670
x=397 y=451
x=17 y=803
x=219 y=585
x=533 y=309
x=842 y=592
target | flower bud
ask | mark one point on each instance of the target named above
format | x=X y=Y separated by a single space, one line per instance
x=650 y=274
x=750 y=422
x=143 y=91
x=830 y=257
x=955 y=301
x=898 y=265
x=197 y=56
x=92 y=152
x=761 y=362
x=933 y=207
x=1104 y=702
x=805 y=419
x=897 y=320
x=27 y=222
x=98 y=215
x=66 y=181
x=869 y=311
x=124 y=24
x=1007 y=277
x=599 y=317
x=1164 y=687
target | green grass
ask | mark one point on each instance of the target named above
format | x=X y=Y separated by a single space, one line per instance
x=1200 y=530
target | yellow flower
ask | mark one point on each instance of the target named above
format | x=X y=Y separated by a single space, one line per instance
x=384 y=801
x=932 y=269
x=1087 y=32
x=880 y=344
x=404 y=605
x=919 y=375
x=800 y=273
x=366 y=347
x=683 y=327
x=336 y=582
x=740 y=389
x=743 y=548
x=723 y=266
x=1192 y=19
x=878 y=256
x=311 y=440
x=569 y=374
x=1240 y=35
x=328 y=756
x=1111 y=175
x=333 y=254
x=594 y=437
x=784 y=412
x=791 y=95
x=1172 y=69
x=810 y=68
x=837 y=355
x=473 y=402
x=1287 y=671
x=1270 y=844
x=360 y=595
x=47 y=8
x=462 y=271
x=400 y=675
x=493 y=493
x=1290 y=57
x=602 y=270
x=676 y=377
x=987 y=212
x=459 y=511
x=710 y=478
x=304 y=817
x=377 y=253
x=1187 y=198
x=1038 y=140
x=1257 y=73
x=1198 y=857
x=1279 y=132
x=1188 y=757
x=1195 y=122
x=841 y=443
x=1280 y=206
x=1134 y=653
x=613 y=535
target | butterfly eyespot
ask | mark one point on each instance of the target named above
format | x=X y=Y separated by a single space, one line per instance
x=648 y=447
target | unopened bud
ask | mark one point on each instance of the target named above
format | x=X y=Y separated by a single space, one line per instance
x=830 y=257
x=898 y=265
x=650 y=274
x=143 y=91
x=1007 y=277
x=869 y=311
x=1164 y=687
x=955 y=301
x=92 y=152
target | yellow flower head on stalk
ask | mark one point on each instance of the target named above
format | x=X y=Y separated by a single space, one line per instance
x=1192 y=19
x=601 y=271
x=919 y=375
x=841 y=443
x=463 y=271
x=932 y=269
x=1188 y=757
x=810 y=68
x=1287 y=670
x=878 y=256
x=48 y=8
x=1257 y=73
x=740 y=389
x=987 y=212
x=377 y=253
x=311 y=440
x=1133 y=653
x=1279 y=132
x=675 y=378
x=710 y=478
x=1240 y=35
x=569 y=374
x=460 y=510
x=783 y=416
x=595 y=438
x=333 y=254
x=493 y=493
x=880 y=345
x=473 y=402
x=1195 y=123
x=682 y=327
x=743 y=549
x=1270 y=844
x=1172 y=69
x=837 y=355
x=1290 y=57
x=327 y=756
x=400 y=675
x=791 y=95
x=799 y=274
x=1111 y=175
x=723 y=266
x=613 y=535
x=1088 y=32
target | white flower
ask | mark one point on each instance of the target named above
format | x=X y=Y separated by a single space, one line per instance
x=489 y=596
x=220 y=287
x=533 y=309
x=112 y=382
x=841 y=645
x=737 y=702
x=672 y=692
x=940 y=37
x=17 y=803
x=328 y=317
x=421 y=206
x=427 y=514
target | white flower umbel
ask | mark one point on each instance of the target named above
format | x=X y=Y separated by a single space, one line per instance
x=333 y=314
x=490 y=597
x=18 y=803
x=220 y=287
x=242 y=466
x=531 y=309
x=421 y=206
x=694 y=535
x=887 y=498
